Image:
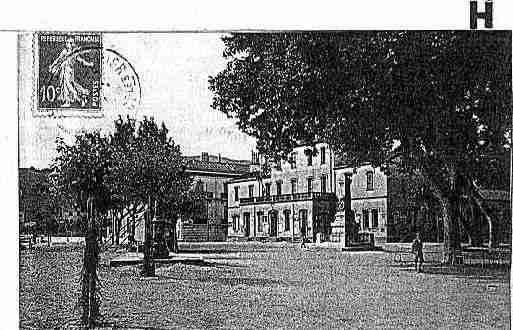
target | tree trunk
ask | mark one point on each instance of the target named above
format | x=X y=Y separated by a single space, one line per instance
x=492 y=242
x=477 y=239
x=448 y=220
x=89 y=300
x=448 y=225
x=148 y=265
x=131 y=226
x=119 y=214
x=491 y=237
x=174 y=240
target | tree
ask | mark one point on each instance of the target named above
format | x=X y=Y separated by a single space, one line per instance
x=99 y=173
x=78 y=172
x=148 y=168
x=438 y=103
x=35 y=199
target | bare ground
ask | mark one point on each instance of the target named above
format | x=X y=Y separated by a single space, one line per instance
x=267 y=285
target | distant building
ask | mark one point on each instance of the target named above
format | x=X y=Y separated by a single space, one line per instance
x=210 y=174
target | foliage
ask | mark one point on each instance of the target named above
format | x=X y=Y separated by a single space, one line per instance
x=439 y=93
x=35 y=200
x=79 y=170
x=146 y=162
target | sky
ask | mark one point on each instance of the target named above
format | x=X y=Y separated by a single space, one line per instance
x=173 y=69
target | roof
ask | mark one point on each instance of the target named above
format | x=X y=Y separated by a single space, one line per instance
x=250 y=176
x=215 y=158
x=218 y=167
x=494 y=195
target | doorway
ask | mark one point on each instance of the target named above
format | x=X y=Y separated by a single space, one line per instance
x=303 y=222
x=273 y=223
x=247 y=225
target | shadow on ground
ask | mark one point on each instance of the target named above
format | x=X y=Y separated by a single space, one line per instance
x=233 y=281
x=471 y=272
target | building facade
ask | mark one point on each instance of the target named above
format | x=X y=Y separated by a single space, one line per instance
x=307 y=194
x=296 y=196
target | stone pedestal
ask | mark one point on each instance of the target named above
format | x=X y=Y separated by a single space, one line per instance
x=338 y=230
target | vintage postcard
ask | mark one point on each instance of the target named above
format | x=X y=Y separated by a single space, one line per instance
x=309 y=179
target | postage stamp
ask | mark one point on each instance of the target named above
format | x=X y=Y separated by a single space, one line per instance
x=69 y=72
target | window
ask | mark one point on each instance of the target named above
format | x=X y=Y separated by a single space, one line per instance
x=278 y=188
x=235 y=222
x=341 y=187
x=323 y=183
x=365 y=219
x=323 y=155
x=309 y=185
x=309 y=157
x=260 y=221
x=202 y=187
x=374 y=218
x=268 y=189
x=293 y=186
x=286 y=215
x=277 y=165
x=236 y=193
x=293 y=157
x=250 y=190
x=370 y=180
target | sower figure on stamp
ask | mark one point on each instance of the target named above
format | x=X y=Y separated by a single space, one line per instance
x=70 y=90
x=417 y=251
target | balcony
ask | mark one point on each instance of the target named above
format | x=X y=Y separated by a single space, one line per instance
x=289 y=198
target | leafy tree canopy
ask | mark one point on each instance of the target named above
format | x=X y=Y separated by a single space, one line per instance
x=146 y=162
x=440 y=100
x=137 y=161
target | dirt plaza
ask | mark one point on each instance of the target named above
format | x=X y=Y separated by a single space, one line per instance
x=266 y=285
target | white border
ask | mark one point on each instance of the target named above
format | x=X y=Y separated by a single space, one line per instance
x=101 y=15
x=231 y=14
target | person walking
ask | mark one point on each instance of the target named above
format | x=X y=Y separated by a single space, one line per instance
x=303 y=236
x=417 y=251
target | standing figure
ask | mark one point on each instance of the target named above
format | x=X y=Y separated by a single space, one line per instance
x=417 y=251
x=70 y=90
x=303 y=235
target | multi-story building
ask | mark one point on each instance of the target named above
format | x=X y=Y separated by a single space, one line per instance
x=307 y=192
x=210 y=175
x=297 y=195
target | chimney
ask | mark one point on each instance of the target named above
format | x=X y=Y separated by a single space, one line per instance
x=204 y=156
x=219 y=158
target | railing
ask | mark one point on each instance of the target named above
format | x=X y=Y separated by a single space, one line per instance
x=289 y=198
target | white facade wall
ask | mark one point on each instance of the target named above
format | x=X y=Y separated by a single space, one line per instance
x=300 y=173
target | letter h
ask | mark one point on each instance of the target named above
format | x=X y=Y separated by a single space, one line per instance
x=486 y=15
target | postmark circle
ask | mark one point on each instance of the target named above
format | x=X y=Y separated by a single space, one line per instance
x=121 y=87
